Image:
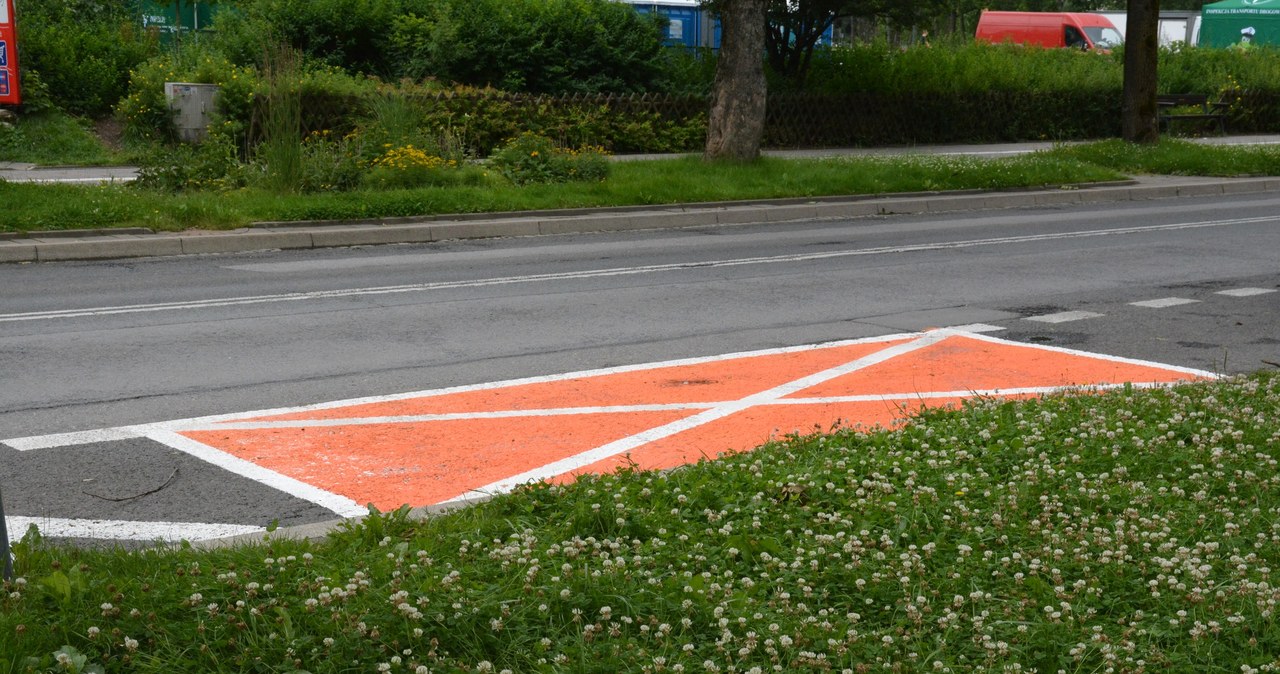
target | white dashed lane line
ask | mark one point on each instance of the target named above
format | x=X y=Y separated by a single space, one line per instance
x=1163 y=302
x=1245 y=292
x=1064 y=317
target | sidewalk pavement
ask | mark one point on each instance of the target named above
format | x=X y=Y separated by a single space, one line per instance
x=139 y=242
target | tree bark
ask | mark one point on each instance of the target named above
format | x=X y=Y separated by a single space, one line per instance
x=735 y=123
x=1138 y=110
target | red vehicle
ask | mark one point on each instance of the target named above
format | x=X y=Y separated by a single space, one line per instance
x=1078 y=30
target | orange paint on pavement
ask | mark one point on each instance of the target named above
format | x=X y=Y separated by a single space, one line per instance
x=711 y=381
x=754 y=427
x=389 y=465
x=968 y=364
x=374 y=451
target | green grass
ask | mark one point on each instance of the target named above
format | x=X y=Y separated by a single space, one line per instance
x=49 y=207
x=1177 y=157
x=54 y=138
x=40 y=207
x=1131 y=531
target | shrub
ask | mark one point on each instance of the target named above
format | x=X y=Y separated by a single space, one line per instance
x=406 y=166
x=145 y=112
x=530 y=158
x=83 y=50
x=212 y=165
x=329 y=164
x=538 y=46
x=341 y=33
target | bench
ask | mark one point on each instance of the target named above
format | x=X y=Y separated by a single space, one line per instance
x=1168 y=104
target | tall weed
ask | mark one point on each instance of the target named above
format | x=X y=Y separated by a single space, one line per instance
x=281 y=151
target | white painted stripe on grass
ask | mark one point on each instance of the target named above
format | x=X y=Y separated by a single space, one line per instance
x=614 y=271
x=1063 y=317
x=1164 y=302
x=1245 y=292
x=769 y=396
x=335 y=502
x=120 y=530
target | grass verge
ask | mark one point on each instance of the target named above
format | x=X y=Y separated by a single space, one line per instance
x=32 y=207
x=55 y=138
x=1132 y=531
x=684 y=180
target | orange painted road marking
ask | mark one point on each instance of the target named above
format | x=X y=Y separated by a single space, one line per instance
x=432 y=447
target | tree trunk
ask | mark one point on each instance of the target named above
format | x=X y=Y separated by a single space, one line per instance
x=735 y=123
x=1138 y=113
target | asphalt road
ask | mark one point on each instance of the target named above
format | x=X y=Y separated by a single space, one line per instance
x=94 y=345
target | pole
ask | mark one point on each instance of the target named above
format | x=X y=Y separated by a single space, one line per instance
x=4 y=543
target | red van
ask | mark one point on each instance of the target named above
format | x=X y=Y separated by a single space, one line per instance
x=1049 y=29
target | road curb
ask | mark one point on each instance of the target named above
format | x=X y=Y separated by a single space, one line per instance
x=319 y=530
x=136 y=242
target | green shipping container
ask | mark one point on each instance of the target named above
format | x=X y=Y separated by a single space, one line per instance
x=1230 y=22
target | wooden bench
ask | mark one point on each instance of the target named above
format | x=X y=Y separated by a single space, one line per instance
x=1211 y=112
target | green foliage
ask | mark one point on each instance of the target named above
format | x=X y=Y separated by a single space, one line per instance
x=52 y=137
x=484 y=119
x=517 y=45
x=213 y=165
x=82 y=50
x=531 y=158
x=145 y=112
x=538 y=46
x=407 y=167
x=341 y=33
x=962 y=69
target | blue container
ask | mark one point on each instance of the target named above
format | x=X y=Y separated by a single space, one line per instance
x=684 y=23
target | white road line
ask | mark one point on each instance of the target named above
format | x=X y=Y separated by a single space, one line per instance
x=56 y=440
x=119 y=530
x=338 y=422
x=339 y=504
x=1246 y=292
x=75 y=438
x=977 y=327
x=1164 y=302
x=1063 y=317
x=1101 y=356
x=719 y=412
x=611 y=272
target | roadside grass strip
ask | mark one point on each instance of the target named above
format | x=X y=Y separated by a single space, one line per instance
x=1126 y=530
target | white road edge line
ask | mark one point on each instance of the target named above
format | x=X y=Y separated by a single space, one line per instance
x=615 y=271
x=121 y=530
x=340 y=505
x=338 y=422
x=56 y=440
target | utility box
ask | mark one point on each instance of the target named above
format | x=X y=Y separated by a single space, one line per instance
x=192 y=106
